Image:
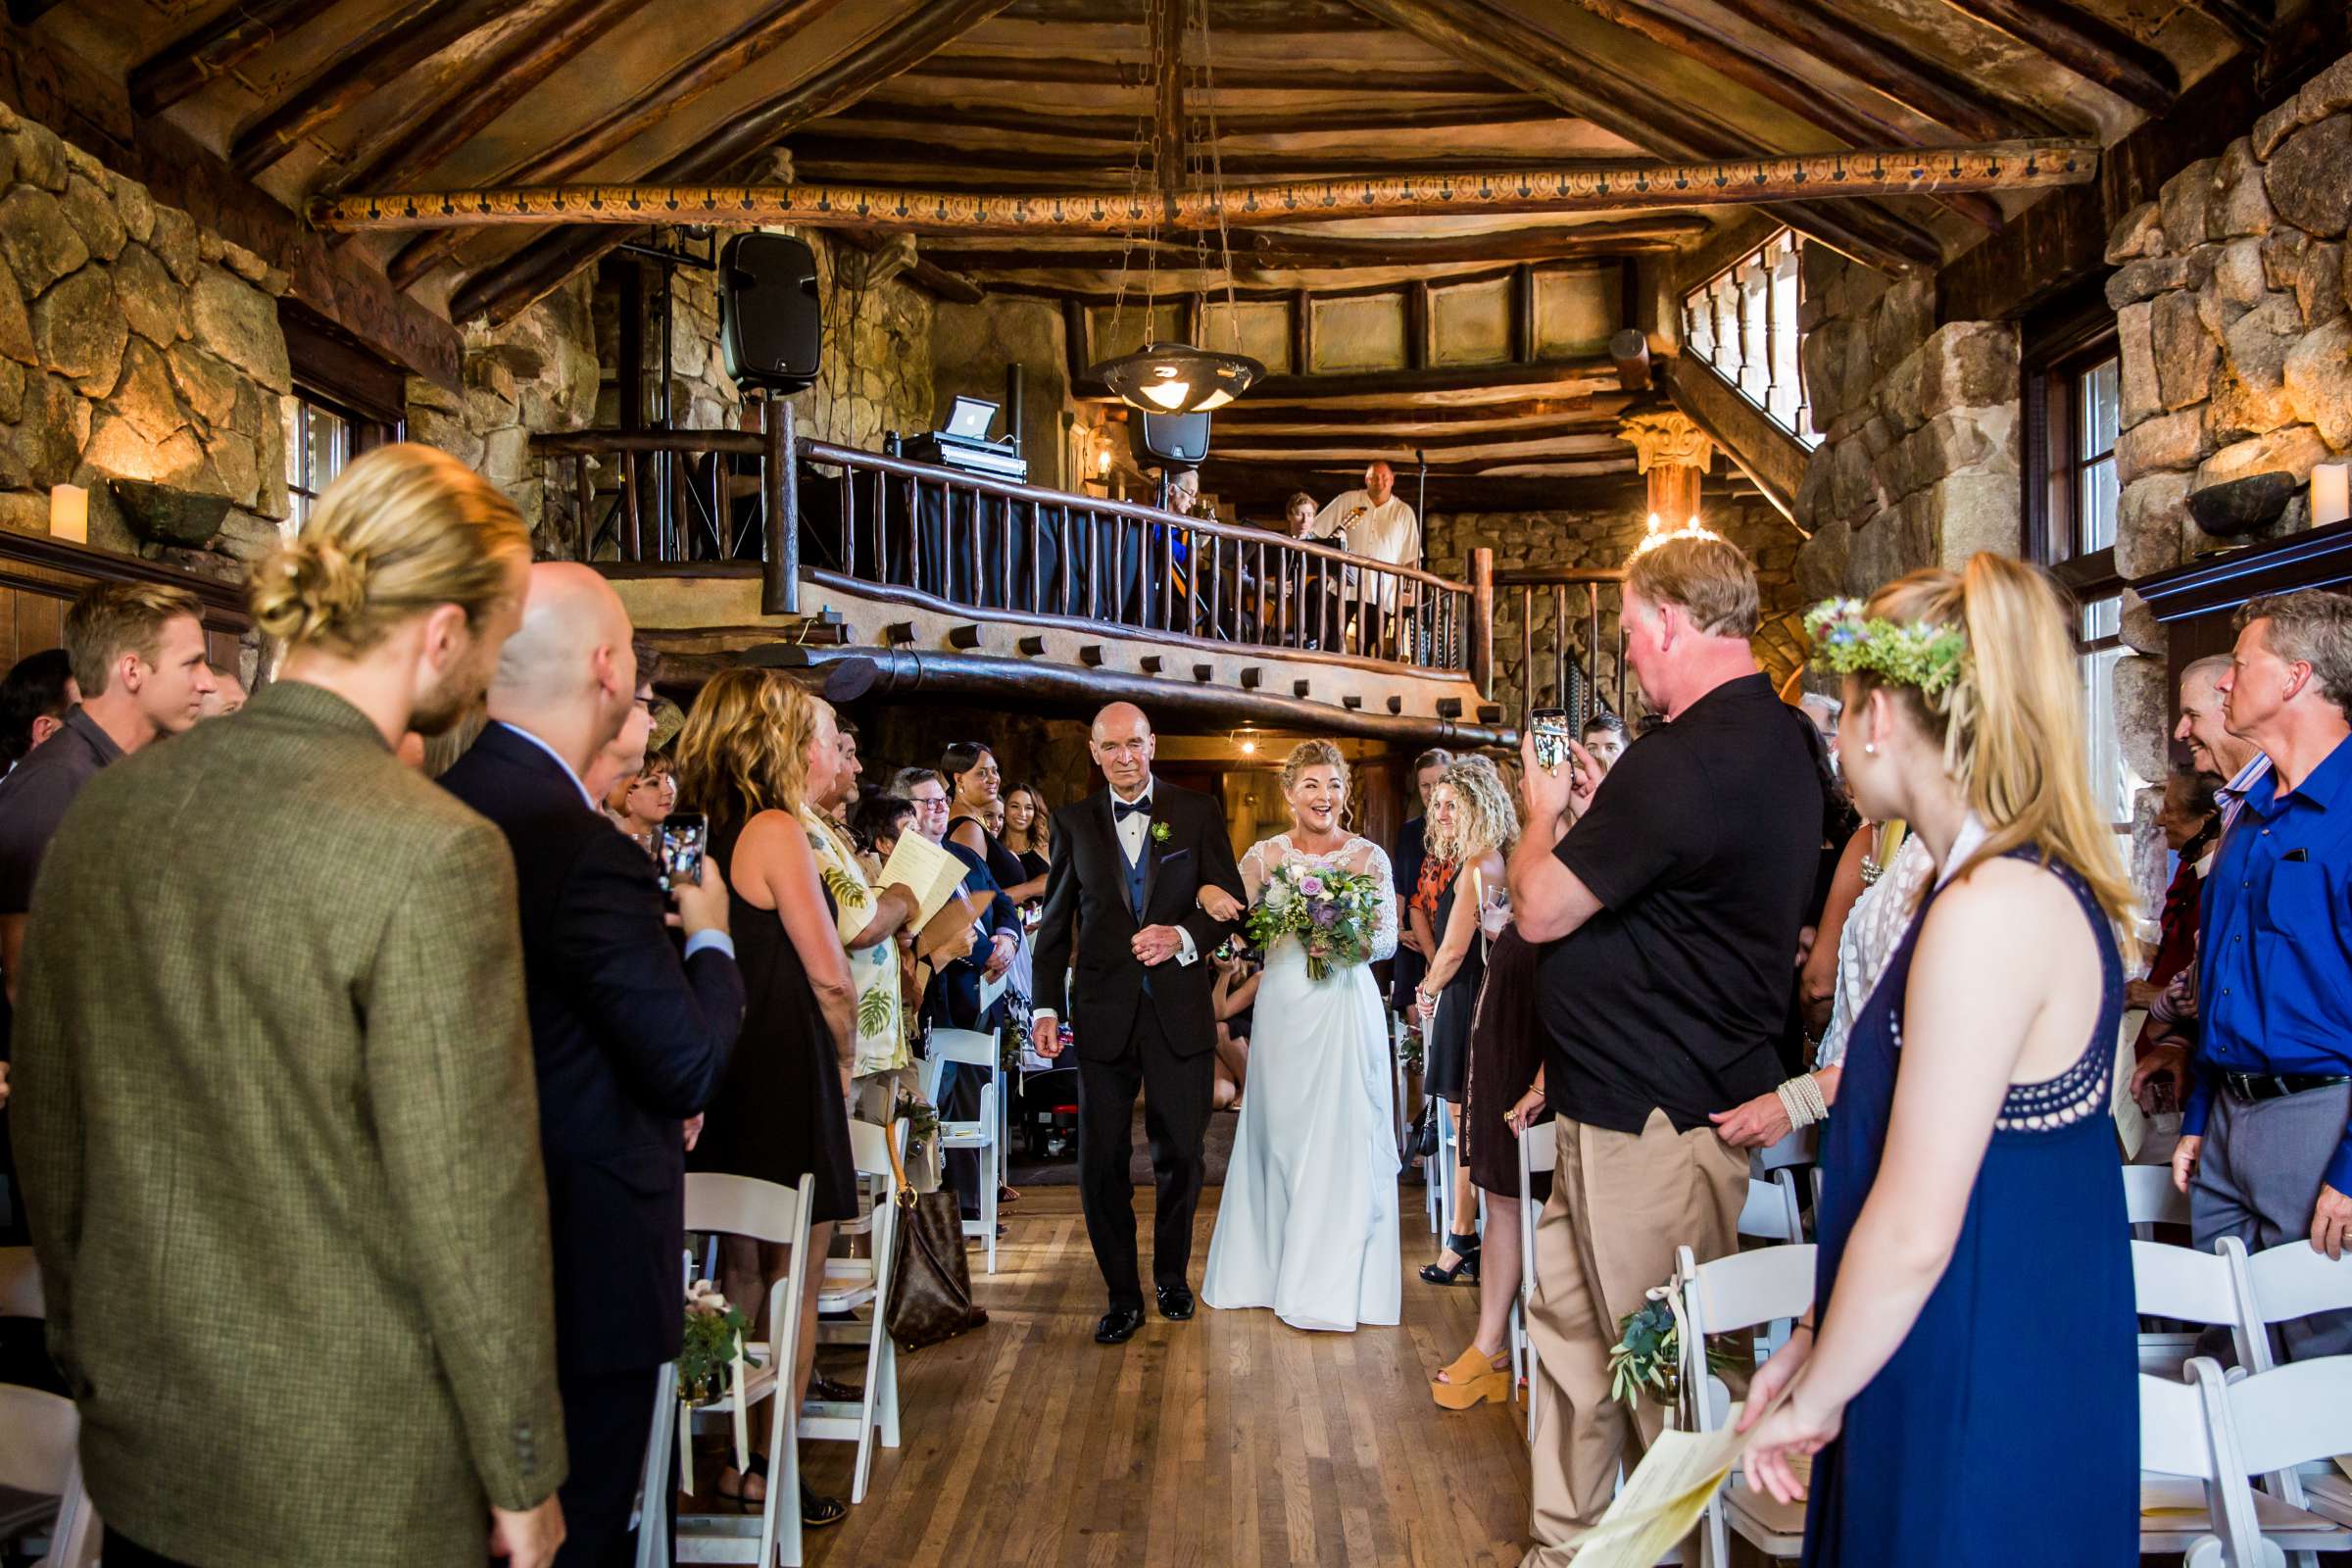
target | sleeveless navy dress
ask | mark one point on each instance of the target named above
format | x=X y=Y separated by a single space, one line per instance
x=2005 y=1430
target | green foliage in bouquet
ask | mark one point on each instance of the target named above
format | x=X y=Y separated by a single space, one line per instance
x=1332 y=912
x=1648 y=1358
x=921 y=1119
x=713 y=1333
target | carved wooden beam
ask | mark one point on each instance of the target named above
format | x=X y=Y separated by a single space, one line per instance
x=182 y=67
x=1043 y=120
x=410 y=36
x=1853 y=125
x=626 y=120
x=2084 y=45
x=877 y=160
x=513 y=283
x=1902 y=171
x=1533 y=60
x=450 y=119
x=1631 y=352
x=1918 y=84
x=1168 y=119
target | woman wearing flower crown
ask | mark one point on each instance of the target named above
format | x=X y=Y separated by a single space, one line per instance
x=1966 y=1380
x=1307 y=1224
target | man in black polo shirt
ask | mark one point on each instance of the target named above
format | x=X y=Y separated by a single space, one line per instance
x=1669 y=893
x=138 y=656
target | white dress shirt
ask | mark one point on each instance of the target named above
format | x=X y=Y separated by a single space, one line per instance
x=1388 y=532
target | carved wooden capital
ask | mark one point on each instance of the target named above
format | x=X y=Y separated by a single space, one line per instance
x=1668 y=439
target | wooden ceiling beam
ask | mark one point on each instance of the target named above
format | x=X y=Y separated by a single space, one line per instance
x=1224 y=15
x=182 y=67
x=1854 y=125
x=1041 y=120
x=1289 y=251
x=1167 y=98
x=407 y=37
x=2084 y=44
x=631 y=117
x=1254 y=418
x=511 y=284
x=1534 y=61
x=1578 y=437
x=1327 y=76
x=447 y=122
x=1919 y=85
x=868 y=160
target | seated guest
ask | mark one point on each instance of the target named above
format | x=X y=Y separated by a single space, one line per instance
x=641 y=803
x=1299 y=513
x=1971 y=1194
x=629 y=1041
x=33 y=698
x=1605 y=739
x=756 y=750
x=339 y=1103
x=226 y=696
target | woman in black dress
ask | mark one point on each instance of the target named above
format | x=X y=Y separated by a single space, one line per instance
x=1473 y=811
x=756 y=747
x=974 y=781
x=1028 y=830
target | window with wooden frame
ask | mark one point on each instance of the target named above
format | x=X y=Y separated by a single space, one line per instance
x=1743 y=322
x=2072 y=387
x=345 y=401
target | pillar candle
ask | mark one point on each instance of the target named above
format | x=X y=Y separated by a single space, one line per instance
x=2330 y=493
x=69 y=513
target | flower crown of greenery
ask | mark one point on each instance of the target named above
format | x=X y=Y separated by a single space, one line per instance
x=1846 y=642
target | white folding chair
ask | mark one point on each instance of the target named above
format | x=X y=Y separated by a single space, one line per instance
x=1449 y=1154
x=2269 y=1423
x=1399 y=1032
x=1538 y=1151
x=1778 y=1164
x=862 y=1284
x=2278 y=1285
x=1769 y=1213
x=738 y=1205
x=968 y=1049
x=1762 y=1288
x=2151 y=1199
x=40 y=1456
x=2184 y=1286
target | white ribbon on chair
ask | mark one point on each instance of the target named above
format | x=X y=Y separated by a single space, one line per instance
x=743 y=1429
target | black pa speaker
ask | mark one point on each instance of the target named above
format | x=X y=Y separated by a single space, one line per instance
x=1168 y=438
x=771 y=323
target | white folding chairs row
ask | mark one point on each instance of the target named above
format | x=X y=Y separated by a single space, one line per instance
x=1539 y=1152
x=2201 y=1438
x=855 y=1285
x=2151 y=1199
x=1765 y=1288
x=41 y=1455
x=971 y=1051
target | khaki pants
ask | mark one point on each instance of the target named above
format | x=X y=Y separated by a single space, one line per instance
x=1620 y=1204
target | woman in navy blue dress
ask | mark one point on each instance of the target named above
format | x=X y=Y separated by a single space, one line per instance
x=1970 y=1392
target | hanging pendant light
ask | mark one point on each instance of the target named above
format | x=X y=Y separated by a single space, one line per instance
x=1178 y=378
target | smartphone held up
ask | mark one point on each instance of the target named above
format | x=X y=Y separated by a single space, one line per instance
x=678 y=848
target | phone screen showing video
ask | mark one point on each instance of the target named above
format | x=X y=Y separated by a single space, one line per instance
x=683 y=837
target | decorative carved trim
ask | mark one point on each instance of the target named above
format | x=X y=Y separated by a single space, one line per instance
x=1893 y=171
x=1671 y=439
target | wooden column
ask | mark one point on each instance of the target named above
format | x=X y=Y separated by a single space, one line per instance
x=1674 y=455
x=1482 y=619
x=780 y=581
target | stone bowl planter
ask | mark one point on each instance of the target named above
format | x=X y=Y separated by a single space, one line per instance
x=2237 y=506
x=170 y=517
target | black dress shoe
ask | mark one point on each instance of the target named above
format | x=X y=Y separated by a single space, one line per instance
x=1118 y=1325
x=1176 y=1302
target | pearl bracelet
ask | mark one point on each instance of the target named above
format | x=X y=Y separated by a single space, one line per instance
x=1800 y=1097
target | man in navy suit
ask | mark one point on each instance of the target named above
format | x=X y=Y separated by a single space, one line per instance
x=629 y=1040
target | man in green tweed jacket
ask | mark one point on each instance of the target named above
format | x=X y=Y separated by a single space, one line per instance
x=275 y=1110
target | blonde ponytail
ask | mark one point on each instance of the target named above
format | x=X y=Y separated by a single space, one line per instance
x=2012 y=722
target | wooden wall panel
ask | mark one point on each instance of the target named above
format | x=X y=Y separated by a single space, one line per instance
x=1471 y=324
x=1361 y=333
x=1265 y=331
x=1576 y=310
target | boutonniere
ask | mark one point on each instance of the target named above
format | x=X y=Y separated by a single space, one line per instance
x=1160 y=832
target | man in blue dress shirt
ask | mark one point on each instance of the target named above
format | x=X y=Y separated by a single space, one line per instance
x=2265 y=1153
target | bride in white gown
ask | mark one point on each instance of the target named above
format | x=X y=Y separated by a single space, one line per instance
x=1307 y=1224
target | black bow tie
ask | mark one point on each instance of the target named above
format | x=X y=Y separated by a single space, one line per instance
x=1121 y=811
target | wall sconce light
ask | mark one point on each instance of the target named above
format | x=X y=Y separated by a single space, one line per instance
x=2330 y=493
x=1245 y=742
x=69 y=513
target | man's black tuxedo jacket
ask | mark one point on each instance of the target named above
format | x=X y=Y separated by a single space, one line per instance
x=1088 y=883
x=628 y=1042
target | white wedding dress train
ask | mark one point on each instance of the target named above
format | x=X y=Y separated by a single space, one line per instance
x=1308 y=1225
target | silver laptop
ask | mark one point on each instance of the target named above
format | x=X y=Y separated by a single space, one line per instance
x=970 y=419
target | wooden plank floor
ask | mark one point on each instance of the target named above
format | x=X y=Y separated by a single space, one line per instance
x=1229 y=1439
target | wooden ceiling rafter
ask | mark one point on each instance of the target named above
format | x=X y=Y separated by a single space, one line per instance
x=1077 y=71
x=2091 y=48
x=880 y=110
x=624 y=121
x=184 y=67
x=512 y=283
x=437 y=126
x=1536 y=63
x=873 y=159
x=400 y=43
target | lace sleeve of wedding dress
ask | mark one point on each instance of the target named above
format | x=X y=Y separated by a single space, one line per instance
x=1374 y=862
x=1255 y=870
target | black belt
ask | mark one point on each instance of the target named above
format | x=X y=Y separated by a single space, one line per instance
x=2279 y=1084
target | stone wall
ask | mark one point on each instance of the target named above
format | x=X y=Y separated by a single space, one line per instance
x=2234 y=309
x=134 y=346
x=877 y=366
x=1919 y=461
x=1604 y=539
x=970 y=346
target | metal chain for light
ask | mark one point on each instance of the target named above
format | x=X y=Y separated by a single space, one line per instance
x=1216 y=178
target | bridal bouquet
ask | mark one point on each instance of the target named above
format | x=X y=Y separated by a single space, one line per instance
x=1332 y=913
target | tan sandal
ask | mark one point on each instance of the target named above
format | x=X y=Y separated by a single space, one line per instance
x=1472 y=1381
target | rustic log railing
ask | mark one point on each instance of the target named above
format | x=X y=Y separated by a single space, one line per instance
x=1563 y=654
x=948 y=541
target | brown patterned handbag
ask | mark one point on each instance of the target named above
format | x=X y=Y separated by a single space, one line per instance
x=930 y=1281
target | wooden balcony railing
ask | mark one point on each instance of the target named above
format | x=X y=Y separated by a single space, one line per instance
x=942 y=539
x=1563 y=652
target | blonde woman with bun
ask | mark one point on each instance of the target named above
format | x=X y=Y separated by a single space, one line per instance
x=344 y=1095
x=757 y=749
x=1974 y=1320
x=1308 y=1221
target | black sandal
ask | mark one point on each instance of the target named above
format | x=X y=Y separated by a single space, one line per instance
x=1463 y=1248
x=741 y=1495
x=818 y=1512
x=824 y=1390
